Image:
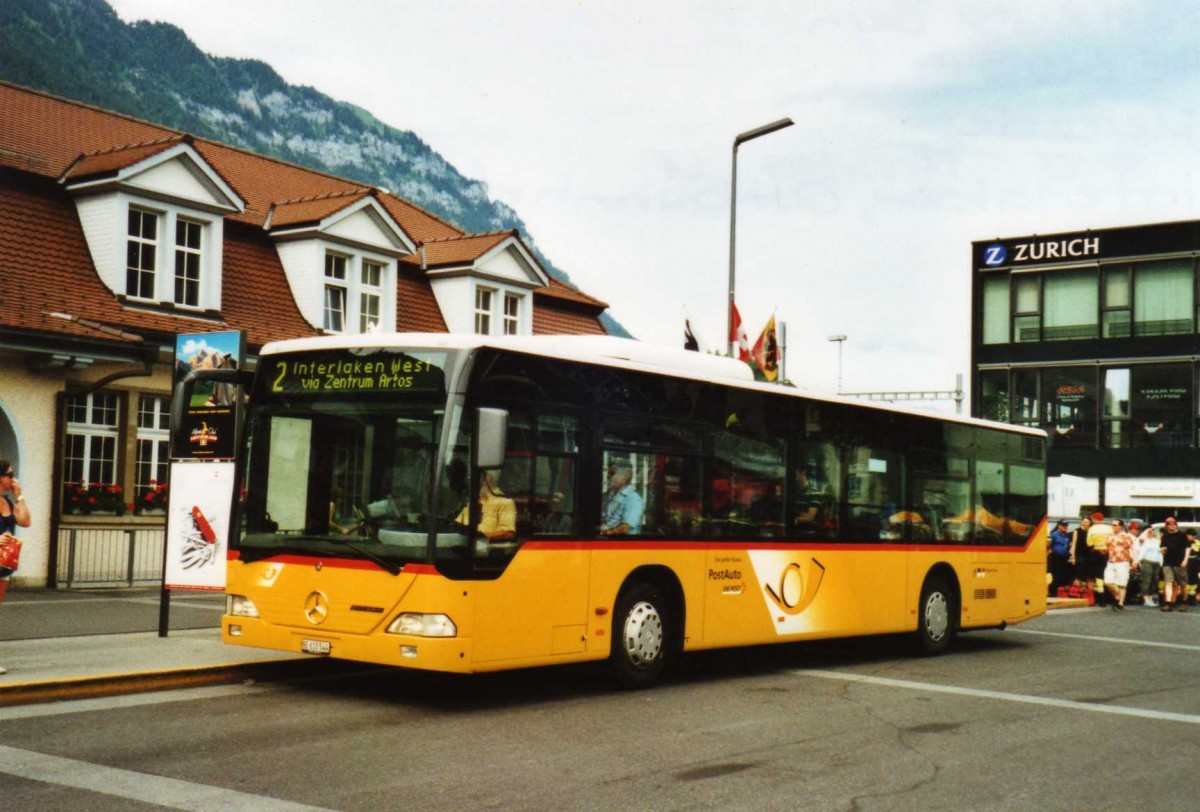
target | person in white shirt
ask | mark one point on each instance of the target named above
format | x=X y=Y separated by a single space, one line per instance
x=1148 y=557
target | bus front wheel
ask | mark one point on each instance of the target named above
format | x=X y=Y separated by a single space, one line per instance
x=937 y=619
x=640 y=626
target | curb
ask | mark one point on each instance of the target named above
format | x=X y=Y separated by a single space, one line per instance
x=59 y=690
x=1066 y=603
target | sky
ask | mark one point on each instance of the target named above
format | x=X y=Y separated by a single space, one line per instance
x=920 y=127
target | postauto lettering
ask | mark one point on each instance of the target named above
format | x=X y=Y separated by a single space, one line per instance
x=996 y=253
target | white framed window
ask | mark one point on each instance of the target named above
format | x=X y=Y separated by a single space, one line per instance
x=512 y=314
x=90 y=452
x=188 y=256
x=177 y=245
x=335 y=291
x=483 y=311
x=152 y=463
x=141 y=253
x=370 y=296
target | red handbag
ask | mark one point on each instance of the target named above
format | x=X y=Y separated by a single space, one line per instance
x=10 y=553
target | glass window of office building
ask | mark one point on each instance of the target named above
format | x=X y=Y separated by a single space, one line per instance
x=1070 y=305
x=1163 y=298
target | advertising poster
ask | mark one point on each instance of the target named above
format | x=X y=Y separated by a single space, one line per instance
x=210 y=419
x=198 y=525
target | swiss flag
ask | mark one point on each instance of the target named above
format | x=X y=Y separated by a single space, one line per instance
x=737 y=332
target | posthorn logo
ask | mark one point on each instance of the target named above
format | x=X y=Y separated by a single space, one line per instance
x=994 y=255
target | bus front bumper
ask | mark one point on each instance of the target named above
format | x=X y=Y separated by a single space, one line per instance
x=450 y=654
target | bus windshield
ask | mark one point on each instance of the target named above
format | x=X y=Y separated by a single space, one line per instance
x=351 y=475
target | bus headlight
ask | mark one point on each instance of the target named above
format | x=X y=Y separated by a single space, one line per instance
x=240 y=605
x=423 y=625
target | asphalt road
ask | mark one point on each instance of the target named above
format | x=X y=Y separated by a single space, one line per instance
x=1077 y=710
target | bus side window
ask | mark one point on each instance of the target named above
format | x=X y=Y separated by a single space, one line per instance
x=552 y=506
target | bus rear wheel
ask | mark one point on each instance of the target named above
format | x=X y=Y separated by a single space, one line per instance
x=937 y=617
x=640 y=626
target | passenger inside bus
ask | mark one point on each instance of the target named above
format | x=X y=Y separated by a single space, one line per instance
x=623 y=506
x=497 y=513
x=812 y=502
x=558 y=521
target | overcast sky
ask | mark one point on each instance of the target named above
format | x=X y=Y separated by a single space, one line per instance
x=920 y=126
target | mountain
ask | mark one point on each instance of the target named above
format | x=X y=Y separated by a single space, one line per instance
x=80 y=49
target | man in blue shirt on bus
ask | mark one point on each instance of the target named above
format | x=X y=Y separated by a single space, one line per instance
x=623 y=506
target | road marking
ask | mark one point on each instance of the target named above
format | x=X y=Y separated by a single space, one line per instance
x=1027 y=699
x=152 y=789
x=1102 y=639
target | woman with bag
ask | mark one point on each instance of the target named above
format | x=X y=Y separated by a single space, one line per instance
x=14 y=513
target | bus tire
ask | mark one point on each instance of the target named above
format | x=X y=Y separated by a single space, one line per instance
x=639 y=636
x=937 y=617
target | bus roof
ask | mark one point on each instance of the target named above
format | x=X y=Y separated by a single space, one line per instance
x=624 y=353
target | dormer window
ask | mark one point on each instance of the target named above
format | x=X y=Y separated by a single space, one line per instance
x=335 y=292
x=354 y=293
x=512 y=314
x=142 y=254
x=483 y=311
x=153 y=215
x=370 y=296
x=340 y=253
x=187 y=262
x=145 y=251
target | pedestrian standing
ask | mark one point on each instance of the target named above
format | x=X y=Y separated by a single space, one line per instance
x=1116 y=572
x=1081 y=553
x=1149 y=563
x=1059 y=558
x=1175 y=549
x=14 y=513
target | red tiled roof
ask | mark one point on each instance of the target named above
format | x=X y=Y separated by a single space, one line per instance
x=462 y=250
x=42 y=244
x=98 y=164
x=416 y=309
x=312 y=209
x=565 y=322
x=561 y=290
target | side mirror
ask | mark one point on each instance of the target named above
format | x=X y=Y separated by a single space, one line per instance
x=491 y=437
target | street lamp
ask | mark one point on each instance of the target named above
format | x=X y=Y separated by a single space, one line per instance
x=741 y=138
x=840 y=341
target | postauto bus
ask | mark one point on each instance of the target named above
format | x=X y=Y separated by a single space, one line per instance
x=446 y=502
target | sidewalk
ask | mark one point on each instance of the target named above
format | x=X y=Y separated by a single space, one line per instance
x=76 y=644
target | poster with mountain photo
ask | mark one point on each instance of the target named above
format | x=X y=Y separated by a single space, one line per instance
x=210 y=418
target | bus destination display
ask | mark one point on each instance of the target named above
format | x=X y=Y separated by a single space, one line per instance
x=322 y=373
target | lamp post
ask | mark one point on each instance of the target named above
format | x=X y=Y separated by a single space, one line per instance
x=840 y=341
x=741 y=138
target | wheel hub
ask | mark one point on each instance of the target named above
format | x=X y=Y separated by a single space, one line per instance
x=937 y=616
x=643 y=637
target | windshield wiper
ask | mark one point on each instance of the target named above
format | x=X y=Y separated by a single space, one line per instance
x=382 y=562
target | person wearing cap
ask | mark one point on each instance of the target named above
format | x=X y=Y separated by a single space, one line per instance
x=1147 y=559
x=1175 y=550
x=1059 y=560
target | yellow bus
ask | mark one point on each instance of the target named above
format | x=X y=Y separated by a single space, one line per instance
x=470 y=503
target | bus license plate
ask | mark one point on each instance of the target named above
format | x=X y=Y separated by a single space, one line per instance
x=314 y=646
